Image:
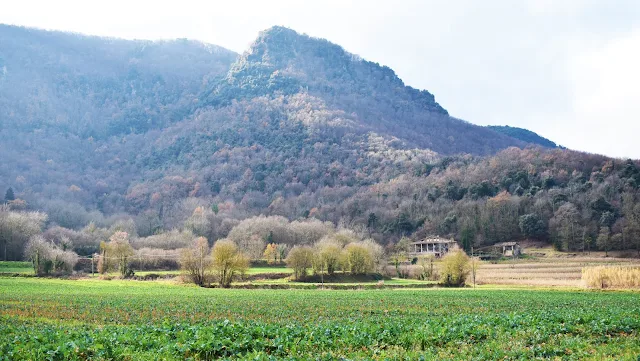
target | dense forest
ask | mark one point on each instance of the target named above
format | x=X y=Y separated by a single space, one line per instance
x=294 y=140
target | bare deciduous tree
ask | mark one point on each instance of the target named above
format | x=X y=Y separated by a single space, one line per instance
x=46 y=257
x=196 y=261
x=119 y=250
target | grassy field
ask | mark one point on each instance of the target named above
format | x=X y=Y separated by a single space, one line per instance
x=130 y=320
x=250 y=271
x=263 y=270
x=15 y=267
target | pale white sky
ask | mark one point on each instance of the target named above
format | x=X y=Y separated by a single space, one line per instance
x=567 y=69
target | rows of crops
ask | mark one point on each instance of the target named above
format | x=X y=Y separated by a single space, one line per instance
x=102 y=320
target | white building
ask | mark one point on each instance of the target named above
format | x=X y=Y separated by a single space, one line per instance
x=432 y=246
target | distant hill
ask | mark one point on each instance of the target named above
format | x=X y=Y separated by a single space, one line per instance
x=524 y=135
x=99 y=87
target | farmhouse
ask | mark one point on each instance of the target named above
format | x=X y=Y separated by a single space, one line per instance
x=434 y=245
x=508 y=249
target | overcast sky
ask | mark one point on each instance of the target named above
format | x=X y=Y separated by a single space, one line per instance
x=568 y=70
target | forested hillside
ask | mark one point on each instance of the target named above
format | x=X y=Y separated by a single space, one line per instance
x=72 y=105
x=290 y=141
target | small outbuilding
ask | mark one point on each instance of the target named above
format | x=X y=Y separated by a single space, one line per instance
x=509 y=249
x=432 y=246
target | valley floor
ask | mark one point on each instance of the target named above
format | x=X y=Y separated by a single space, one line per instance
x=540 y=267
x=117 y=320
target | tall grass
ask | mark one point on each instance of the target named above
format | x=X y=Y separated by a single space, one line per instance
x=611 y=277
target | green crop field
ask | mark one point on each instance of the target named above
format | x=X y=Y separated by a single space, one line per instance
x=51 y=319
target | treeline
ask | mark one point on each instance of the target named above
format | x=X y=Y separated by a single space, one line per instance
x=343 y=251
x=118 y=248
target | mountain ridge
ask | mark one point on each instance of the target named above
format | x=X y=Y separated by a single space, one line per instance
x=279 y=49
x=283 y=62
x=525 y=135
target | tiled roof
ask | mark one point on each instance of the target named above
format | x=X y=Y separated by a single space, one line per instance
x=434 y=240
x=506 y=244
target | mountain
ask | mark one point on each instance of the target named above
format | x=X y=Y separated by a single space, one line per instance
x=284 y=62
x=117 y=118
x=157 y=136
x=524 y=135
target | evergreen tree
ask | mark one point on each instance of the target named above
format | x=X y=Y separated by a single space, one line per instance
x=532 y=226
x=371 y=222
x=9 y=196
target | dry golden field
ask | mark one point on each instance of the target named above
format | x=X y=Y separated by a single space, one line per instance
x=538 y=267
x=546 y=268
x=611 y=277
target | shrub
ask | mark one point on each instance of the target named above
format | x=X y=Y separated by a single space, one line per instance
x=47 y=258
x=155 y=259
x=454 y=268
x=64 y=261
x=427 y=270
x=611 y=277
x=377 y=254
